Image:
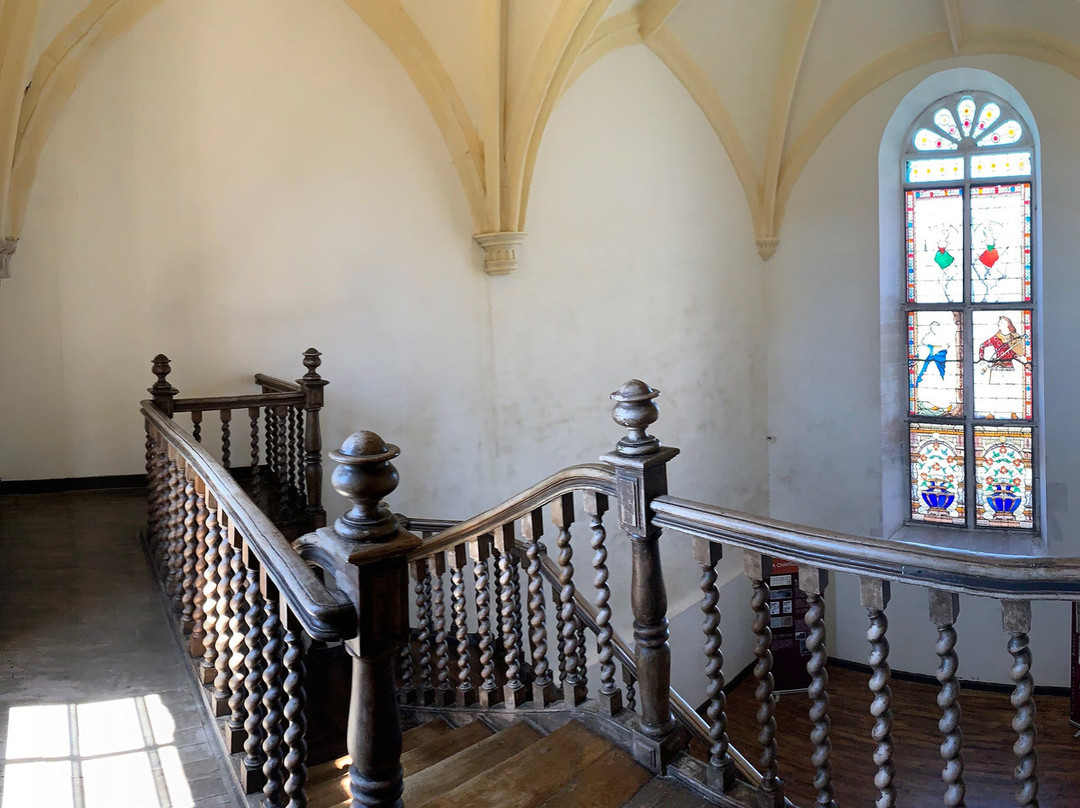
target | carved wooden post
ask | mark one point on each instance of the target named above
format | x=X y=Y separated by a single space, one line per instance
x=369 y=537
x=313 y=385
x=641 y=475
x=162 y=391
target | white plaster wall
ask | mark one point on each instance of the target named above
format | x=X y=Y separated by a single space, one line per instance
x=824 y=365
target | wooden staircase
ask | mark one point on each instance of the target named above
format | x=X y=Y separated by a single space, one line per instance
x=519 y=767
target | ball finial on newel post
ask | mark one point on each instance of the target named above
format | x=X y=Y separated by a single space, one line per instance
x=364 y=476
x=636 y=410
x=162 y=391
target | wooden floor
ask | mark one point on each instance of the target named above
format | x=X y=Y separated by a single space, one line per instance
x=988 y=740
x=97 y=708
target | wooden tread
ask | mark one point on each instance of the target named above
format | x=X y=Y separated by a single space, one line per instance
x=607 y=782
x=425 y=733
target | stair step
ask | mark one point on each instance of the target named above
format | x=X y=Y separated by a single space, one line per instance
x=443 y=747
x=425 y=733
x=607 y=782
x=661 y=793
x=459 y=768
x=529 y=778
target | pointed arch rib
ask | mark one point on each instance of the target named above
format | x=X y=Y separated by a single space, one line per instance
x=18 y=19
x=613 y=33
x=655 y=13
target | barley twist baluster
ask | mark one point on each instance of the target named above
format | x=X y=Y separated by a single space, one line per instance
x=479 y=550
x=281 y=439
x=156 y=500
x=543 y=688
x=222 y=627
x=596 y=505
x=226 y=437
x=196 y=425
x=560 y=642
x=254 y=689
x=256 y=483
x=237 y=654
x=169 y=512
x=296 y=758
x=270 y=440
x=466 y=692
x=631 y=693
x=407 y=692
x=875 y=596
x=514 y=691
x=174 y=579
x=444 y=691
x=151 y=474
x=1016 y=620
x=722 y=772
x=574 y=688
x=207 y=668
x=273 y=700
x=423 y=619
x=301 y=476
x=813 y=582
x=944 y=607
x=758 y=568
x=290 y=448
x=187 y=584
x=202 y=558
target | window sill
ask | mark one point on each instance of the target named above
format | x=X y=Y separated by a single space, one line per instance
x=993 y=542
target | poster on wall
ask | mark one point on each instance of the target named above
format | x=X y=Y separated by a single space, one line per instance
x=787 y=605
x=1074 y=667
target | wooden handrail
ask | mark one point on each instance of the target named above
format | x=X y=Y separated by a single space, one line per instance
x=275 y=385
x=210 y=403
x=324 y=614
x=985 y=574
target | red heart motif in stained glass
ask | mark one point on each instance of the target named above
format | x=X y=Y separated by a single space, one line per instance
x=990 y=256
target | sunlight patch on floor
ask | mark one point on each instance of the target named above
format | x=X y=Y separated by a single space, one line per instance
x=105 y=754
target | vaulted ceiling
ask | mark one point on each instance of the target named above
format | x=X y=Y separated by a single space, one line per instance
x=772 y=77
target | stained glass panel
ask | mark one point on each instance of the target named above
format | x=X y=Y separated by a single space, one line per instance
x=945 y=121
x=1008 y=132
x=994 y=164
x=936 y=169
x=937 y=473
x=966 y=110
x=1001 y=243
x=935 y=245
x=1001 y=343
x=927 y=140
x=990 y=113
x=1003 y=491
x=935 y=367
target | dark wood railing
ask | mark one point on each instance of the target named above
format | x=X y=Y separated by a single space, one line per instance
x=500 y=623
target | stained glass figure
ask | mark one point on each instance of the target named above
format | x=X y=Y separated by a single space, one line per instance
x=1003 y=490
x=935 y=363
x=1001 y=347
x=995 y=164
x=966 y=110
x=990 y=113
x=935 y=245
x=937 y=473
x=1008 y=132
x=936 y=169
x=945 y=121
x=1001 y=243
x=927 y=140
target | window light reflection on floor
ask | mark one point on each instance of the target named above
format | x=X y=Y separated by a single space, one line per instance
x=104 y=754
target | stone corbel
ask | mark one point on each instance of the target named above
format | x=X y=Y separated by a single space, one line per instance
x=7 y=250
x=766 y=246
x=500 y=251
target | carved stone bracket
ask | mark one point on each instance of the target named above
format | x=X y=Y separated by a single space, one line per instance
x=7 y=250
x=766 y=246
x=500 y=251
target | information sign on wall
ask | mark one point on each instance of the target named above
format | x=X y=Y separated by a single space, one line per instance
x=787 y=606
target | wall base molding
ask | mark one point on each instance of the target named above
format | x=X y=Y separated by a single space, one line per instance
x=64 y=484
x=966 y=684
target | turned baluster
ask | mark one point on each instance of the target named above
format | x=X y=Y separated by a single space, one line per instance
x=813 y=582
x=222 y=628
x=301 y=481
x=273 y=702
x=290 y=450
x=281 y=440
x=479 y=550
x=640 y=464
x=174 y=564
x=424 y=637
x=251 y=775
x=160 y=528
x=721 y=772
x=234 y=729
x=630 y=681
x=157 y=501
x=1016 y=621
x=875 y=596
x=562 y=516
x=758 y=568
x=514 y=691
x=560 y=642
x=313 y=385
x=465 y=693
x=270 y=440
x=202 y=558
x=190 y=553
x=944 y=608
x=444 y=691
x=256 y=483
x=196 y=425
x=208 y=666
x=407 y=681
x=294 y=712
x=543 y=688
x=596 y=505
x=226 y=437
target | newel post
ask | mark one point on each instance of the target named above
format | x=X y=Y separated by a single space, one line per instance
x=312 y=384
x=641 y=475
x=163 y=392
x=377 y=548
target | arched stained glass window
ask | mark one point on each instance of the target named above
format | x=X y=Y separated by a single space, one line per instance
x=968 y=171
